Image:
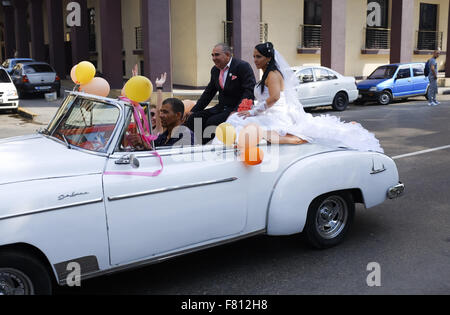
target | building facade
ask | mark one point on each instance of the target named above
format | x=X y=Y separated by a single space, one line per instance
x=177 y=36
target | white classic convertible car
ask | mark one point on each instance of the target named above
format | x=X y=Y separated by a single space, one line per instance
x=75 y=198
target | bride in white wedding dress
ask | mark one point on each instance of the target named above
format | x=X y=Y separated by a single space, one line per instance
x=279 y=113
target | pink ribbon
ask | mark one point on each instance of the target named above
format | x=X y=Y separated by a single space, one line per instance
x=144 y=131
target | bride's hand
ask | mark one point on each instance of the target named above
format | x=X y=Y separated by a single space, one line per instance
x=244 y=114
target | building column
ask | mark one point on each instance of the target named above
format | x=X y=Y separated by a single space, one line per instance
x=79 y=36
x=37 y=30
x=447 y=55
x=56 y=36
x=10 y=37
x=111 y=30
x=21 y=28
x=246 y=29
x=402 y=31
x=157 y=40
x=333 y=34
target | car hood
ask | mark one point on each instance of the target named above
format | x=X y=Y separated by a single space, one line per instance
x=37 y=157
x=367 y=84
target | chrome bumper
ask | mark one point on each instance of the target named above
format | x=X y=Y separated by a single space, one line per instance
x=396 y=191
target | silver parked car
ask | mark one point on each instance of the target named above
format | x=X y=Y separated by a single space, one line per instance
x=321 y=86
x=35 y=78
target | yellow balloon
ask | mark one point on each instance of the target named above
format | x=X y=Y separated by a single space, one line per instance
x=138 y=89
x=84 y=72
x=226 y=133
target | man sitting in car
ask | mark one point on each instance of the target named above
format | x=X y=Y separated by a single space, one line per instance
x=175 y=134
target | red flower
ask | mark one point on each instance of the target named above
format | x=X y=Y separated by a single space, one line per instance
x=246 y=105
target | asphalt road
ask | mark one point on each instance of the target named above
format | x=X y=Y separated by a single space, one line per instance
x=409 y=238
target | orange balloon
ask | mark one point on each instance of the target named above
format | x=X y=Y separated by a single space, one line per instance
x=97 y=86
x=250 y=136
x=188 y=105
x=73 y=75
x=253 y=156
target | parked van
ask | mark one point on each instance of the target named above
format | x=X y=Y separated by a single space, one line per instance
x=9 y=98
x=394 y=81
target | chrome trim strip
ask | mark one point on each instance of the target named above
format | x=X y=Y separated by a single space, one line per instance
x=173 y=188
x=83 y=203
x=374 y=172
x=179 y=150
x=151 y=261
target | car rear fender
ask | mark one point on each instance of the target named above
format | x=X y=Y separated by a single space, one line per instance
x=367 y=175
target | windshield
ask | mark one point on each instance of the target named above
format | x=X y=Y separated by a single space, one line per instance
x=4 y=77
x=38 y=69
x=85 y=123
x=384 y=72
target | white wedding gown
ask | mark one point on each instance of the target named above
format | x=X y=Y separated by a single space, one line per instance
x=285 y=118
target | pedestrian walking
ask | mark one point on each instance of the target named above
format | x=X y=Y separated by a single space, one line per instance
x=432 y=76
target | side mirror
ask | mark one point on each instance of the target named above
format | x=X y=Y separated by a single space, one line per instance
x=129 y=159
x=134 y=161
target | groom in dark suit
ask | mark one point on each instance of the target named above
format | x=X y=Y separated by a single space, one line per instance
x=234 y=80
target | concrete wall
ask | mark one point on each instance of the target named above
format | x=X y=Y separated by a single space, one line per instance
x=442 y=24
x=210 y=15
x=284 y=19
x=356 y=63
x=196 y=27
x=131 y=18
x=184 y=42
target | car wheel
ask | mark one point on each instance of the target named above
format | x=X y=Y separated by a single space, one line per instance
x=22 y=274
x=385 y=98
x=340 y=102
x=329 y=219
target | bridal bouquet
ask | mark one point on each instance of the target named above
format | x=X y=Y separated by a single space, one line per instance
x=246 y=105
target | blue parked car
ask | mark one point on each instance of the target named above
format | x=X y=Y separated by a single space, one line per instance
x=395 y=81
x=9 y=64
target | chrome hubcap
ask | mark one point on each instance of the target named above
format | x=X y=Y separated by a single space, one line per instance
x=332 y=217
x=384 y=98
x=15 y=282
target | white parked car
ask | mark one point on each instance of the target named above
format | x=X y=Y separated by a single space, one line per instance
x=76 y=202
x=321 y=86
x=9 y=98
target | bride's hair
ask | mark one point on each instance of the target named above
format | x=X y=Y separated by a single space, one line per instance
x=267 y=50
